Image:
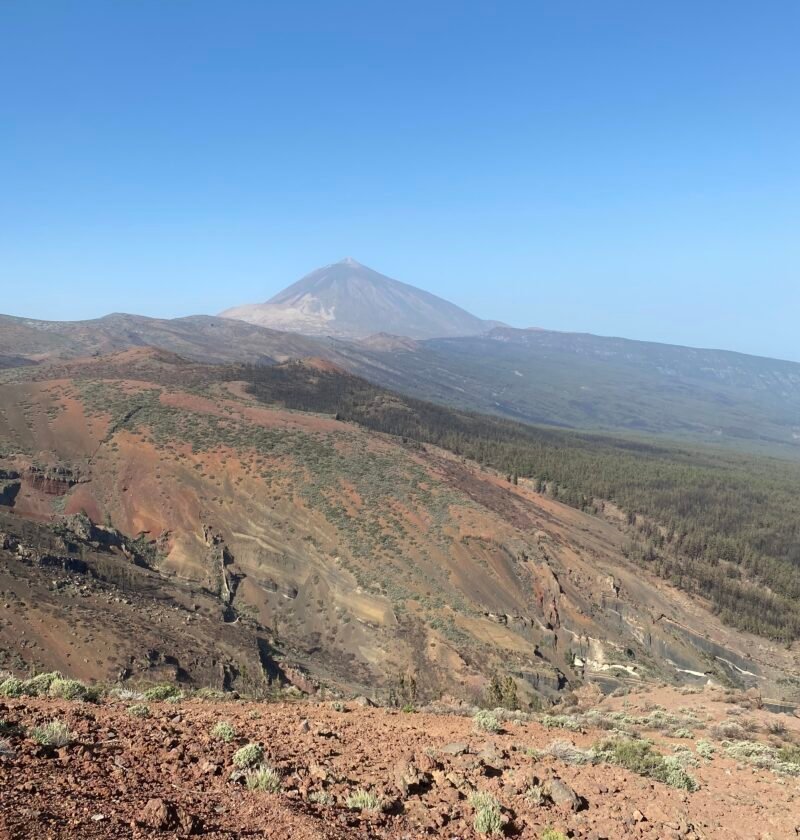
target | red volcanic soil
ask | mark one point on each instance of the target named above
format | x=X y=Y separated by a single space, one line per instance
x=166 y=776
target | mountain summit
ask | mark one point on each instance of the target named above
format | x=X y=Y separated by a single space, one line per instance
x=350 y=300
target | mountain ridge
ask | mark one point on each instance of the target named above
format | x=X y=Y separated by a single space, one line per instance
x=349 y=300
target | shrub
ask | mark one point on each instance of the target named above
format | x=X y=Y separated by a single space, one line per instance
x=11 y=687
x=682 y=733
x=777 y=727
x=639 y=757
x=728 y=730
x=675 y=774
x=364 y=800
x=56 y=733
x=39 y=685
x=163 y=691
x=535 y=795
x=248 y=756
x=571 y=722
x=705 y=749
x=488 y=817
x=785 y=761
x=552 y=834
x=139 y=710
x=223 y=731
x=263 y=778
x=321 y=797
x=65 y=689
x=486 y=721
x=790 y=754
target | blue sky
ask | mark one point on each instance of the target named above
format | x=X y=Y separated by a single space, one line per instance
x=623 y=168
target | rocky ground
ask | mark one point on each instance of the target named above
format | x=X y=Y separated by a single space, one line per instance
x=135 y=768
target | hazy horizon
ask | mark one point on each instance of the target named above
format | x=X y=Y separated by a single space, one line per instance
x=623 y=171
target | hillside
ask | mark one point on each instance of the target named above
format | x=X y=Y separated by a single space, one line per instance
x=605 y=384
x=560 y=379
x=199 y=337
x=350 y=300
x=359 y=558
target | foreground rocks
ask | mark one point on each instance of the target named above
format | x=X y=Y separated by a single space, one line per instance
x=166 y=772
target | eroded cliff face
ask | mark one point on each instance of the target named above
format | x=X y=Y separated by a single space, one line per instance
x=347 y=557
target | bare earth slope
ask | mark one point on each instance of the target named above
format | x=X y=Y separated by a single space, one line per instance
x=351 y=559
x=127 y=776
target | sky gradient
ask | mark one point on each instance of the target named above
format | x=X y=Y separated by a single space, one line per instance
x=621 y=168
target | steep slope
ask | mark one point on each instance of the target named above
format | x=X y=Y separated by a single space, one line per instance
x=362 y=558
x=350 y=300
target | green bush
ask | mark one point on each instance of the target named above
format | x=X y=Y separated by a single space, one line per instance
x=552 y=834
x=486 y=721
x=639 y=757
x=223 y=731
x=488 y=817
x=11 y=687
x=39 y=685
x=139 y=710
x=64 y=689
x=248 y=756
x=163 y=691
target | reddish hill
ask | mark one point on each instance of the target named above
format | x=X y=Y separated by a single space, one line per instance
x=362 y=557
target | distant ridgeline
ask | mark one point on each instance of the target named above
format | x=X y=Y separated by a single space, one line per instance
x=720 y=524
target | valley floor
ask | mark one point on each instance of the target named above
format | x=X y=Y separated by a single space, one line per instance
x=165 y=775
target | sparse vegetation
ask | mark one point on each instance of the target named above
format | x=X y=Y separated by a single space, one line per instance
x=66 y=689
x=486 y=721
x=784 y=761
x=534 y=794
x=163 y=691
x=11 y=687
x=364 y=800
x=553 y=834
x=248 y=756
x=39 y=685
x=139 y=710
x=488 y=816
x=639 y=757
x=56 y=733
x=263 y=778
x=713 y=522
x=223 y=731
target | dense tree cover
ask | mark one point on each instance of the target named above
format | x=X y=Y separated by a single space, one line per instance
x=719 y=523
